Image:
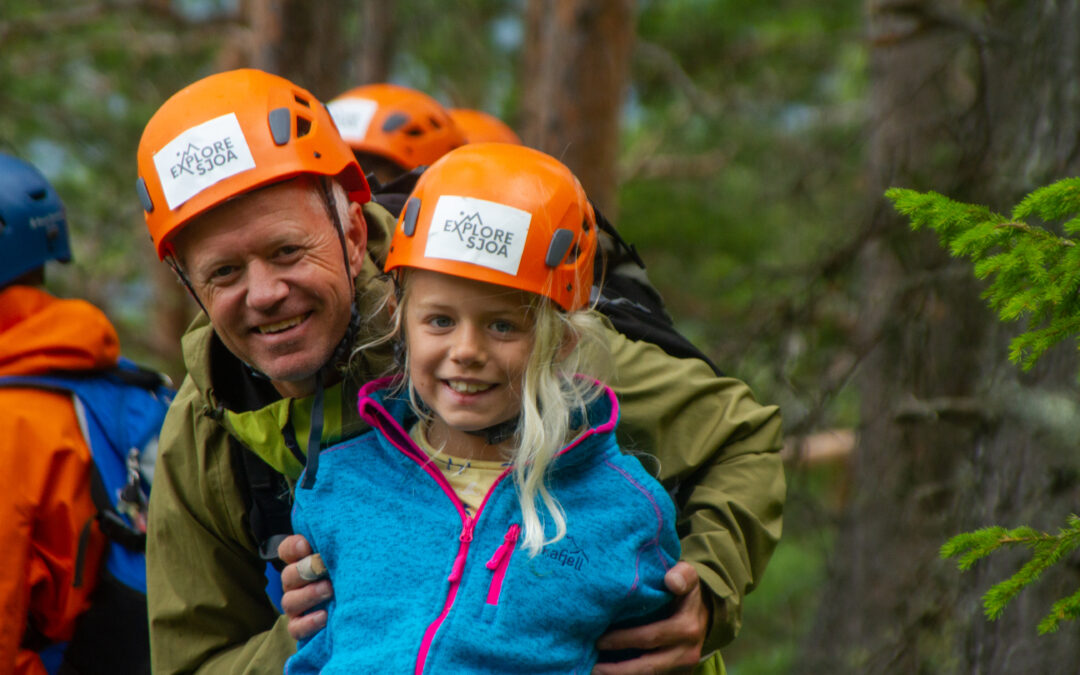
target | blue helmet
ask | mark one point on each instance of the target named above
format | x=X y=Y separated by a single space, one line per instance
x=33 y=229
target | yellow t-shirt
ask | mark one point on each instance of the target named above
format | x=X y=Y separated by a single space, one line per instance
x=471 y=478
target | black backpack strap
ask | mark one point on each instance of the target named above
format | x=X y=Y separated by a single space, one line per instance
x=638 y=322
x=268 y=500
x=624 y=295
x=623 y=251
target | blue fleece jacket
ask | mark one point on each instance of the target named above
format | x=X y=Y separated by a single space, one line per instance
x=419 y=586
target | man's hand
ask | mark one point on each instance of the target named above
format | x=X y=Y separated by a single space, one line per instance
x=302 y=594
x=674 y=643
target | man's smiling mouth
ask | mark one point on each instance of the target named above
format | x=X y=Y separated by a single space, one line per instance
x=271 y=328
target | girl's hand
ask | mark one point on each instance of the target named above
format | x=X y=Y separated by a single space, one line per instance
x=303 y=587
x=674 y=643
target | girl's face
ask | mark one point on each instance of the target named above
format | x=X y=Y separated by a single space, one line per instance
x=468 y=344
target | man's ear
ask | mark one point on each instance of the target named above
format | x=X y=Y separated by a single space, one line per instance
x=356 y=236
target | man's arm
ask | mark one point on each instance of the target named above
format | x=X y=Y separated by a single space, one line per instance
x=716 y=450
x=209 y=612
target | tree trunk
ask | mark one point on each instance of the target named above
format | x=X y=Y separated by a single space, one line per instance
x=576 y=69
x=299 y=40
x=376 y=41
x=981 y=107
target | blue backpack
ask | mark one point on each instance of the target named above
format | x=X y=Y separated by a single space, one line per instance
x=121 y=411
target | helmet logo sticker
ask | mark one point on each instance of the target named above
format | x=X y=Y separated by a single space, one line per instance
x=479 y=232
x=200 y=157
x=353 y=116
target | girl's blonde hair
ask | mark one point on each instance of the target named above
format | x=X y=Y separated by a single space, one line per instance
x=568 y=359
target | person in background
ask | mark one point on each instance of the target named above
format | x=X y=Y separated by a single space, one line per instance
x=54 y=592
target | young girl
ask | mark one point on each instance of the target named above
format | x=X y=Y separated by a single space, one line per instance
x=488 y=522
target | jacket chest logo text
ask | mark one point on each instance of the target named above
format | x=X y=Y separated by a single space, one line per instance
x=567 y=554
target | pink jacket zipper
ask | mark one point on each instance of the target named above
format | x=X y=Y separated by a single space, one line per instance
x=500 y=561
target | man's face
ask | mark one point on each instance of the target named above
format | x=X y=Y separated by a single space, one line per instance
x=268 y=268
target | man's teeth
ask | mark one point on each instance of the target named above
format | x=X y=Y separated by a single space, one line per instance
x=468 y=387
x=280 y=325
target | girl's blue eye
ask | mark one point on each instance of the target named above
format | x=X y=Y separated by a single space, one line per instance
x=441 y=322
x=501 y=326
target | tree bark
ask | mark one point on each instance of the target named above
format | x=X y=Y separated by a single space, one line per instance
x=575 y=73
x=979 y=105
x=299 y=40
x=376 y=41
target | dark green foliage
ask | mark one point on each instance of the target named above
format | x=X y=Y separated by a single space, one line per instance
x=1033 y=274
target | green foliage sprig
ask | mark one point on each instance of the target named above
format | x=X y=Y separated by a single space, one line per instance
x=1046 y=550
x=1032 y=273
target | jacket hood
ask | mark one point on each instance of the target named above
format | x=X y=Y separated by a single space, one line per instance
x=41 y=333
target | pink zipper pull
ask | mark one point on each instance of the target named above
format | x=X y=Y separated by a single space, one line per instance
x=507 y=547
x=467 y=530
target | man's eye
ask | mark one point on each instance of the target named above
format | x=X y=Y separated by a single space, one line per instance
x=222 y=272
x=287 y=250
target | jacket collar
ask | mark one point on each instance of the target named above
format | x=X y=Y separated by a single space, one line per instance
x=384 y=406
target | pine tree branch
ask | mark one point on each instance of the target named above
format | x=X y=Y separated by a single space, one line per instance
x=1033 y=274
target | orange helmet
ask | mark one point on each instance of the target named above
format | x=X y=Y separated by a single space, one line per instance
x=228 y=134
x=503 y=214
x=403 y=125
x=480 y=127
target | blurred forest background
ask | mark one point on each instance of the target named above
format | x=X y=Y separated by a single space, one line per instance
x=743 y=146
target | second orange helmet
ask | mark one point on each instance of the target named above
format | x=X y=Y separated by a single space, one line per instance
x=403 y=125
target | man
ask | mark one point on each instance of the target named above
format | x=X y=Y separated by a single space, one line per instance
x=260 y=207
x=52 y=543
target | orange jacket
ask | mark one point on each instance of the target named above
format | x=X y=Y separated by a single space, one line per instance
x=45 y=502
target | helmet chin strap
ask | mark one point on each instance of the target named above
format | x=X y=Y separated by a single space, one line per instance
x=331 y=207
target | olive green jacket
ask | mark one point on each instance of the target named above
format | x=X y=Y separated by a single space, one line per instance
x=715 y=449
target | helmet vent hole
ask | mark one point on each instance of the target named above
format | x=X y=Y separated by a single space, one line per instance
x=435 y=123
x=37 y=195
x=572 y=256
x=414 y=131
x=395 y=122
x=302 y=101
x=303 y=126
